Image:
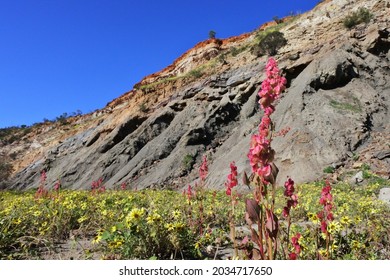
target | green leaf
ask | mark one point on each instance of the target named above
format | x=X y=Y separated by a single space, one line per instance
x=106 y=235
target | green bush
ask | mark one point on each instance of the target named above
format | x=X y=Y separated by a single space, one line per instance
x=329 y=169
x=270 y=44
x=277 y=20
x=360 y=16
x=188 y=161
x=236 y=51
x=62 y=119
x=5 y=171
x=212 y=34
x=222 y=58
x=196 y=73
x=143 y=108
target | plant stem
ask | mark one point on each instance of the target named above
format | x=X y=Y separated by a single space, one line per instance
x=260 y=230
x=233 y=229
x=288 y=231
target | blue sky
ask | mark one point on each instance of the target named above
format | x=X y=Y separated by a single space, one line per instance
x=61 y=56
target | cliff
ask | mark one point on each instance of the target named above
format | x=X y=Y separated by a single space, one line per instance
x=336 y=108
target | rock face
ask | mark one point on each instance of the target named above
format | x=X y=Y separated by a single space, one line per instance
x=337 y=104
x=384 y=195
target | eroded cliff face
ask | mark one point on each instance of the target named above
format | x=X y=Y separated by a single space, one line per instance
x=336 y=107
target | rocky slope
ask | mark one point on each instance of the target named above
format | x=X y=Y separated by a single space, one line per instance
x=336 y=108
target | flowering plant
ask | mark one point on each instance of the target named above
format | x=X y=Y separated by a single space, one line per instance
x=260 y=210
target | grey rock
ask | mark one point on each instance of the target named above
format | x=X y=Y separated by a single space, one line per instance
x=294 y=56
x=384 y=195
x=237 y=80
x=225 y=100
x=338 y=164
x=358 y=178
x=35 y=145
x=382 y=154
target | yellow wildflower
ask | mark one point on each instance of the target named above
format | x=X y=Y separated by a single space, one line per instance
x=333 y=247
x=82 y=219
x=154 y=218
x=345 y=220
x=115 y=244
x=176 y=214
x=37 y=213
x=323 y=252
x=169 y=227
x=83 y=206
x=355 y=245
x=96 y=239
x=134 y=216
x=333 y=227
x=313 y=218
x=178 y=226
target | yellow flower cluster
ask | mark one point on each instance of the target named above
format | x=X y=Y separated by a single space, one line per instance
x=134 y=216
x=154 y=218
x=131 y=224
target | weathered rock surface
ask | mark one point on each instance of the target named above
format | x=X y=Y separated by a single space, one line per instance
x=384 y=195
x=338 y=99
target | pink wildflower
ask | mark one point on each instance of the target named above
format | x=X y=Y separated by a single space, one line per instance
x=292 y=199
x=203 y=170
x=41 y=192
x=292 y=256
x=289 y=187
x=260 y=153
x=57 y=186
x=189 y=192
x=232 y=178
x=98 y=186
x=297 y=248
x=271 y=87
x=43 y=176
x=326 y=201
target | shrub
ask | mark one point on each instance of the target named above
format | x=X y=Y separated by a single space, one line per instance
x=329 y=169
x=5 y=171
x=196 y=73
x=277 y=20
x=365 y=167
x=269 y=44
x=212 y=34
x=360 y=16
x=234 y=51
x=188 y=161
x=222 y=58
x=62 y=119
x=9 y=135
x=143 y=108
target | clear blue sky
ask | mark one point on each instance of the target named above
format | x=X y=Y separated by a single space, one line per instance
x=60 y=56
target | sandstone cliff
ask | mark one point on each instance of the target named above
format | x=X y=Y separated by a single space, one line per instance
x=336 y=107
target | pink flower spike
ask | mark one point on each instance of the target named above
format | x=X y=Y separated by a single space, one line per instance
x=203 y=170
x=292 y=256
x=43 y=176
x=189 y=190
x=232 y=179
x=57 y=185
